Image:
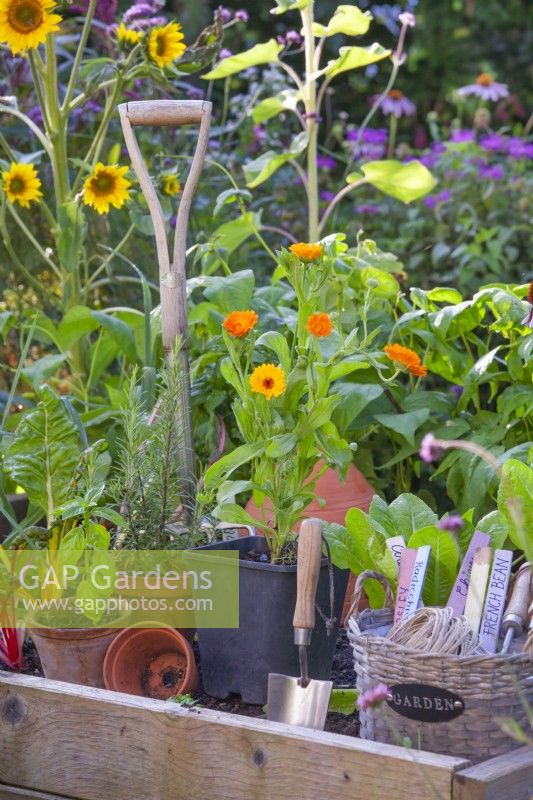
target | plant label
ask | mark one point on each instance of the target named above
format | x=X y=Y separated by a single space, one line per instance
x=407 y=563
x=417 y=580
x=457 y=598
x=495 y=602
x=477 y=587
x=396 y=545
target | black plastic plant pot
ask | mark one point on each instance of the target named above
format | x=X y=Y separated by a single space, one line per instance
x=238 y=660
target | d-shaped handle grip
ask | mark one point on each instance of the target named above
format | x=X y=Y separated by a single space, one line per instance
x=165 y=112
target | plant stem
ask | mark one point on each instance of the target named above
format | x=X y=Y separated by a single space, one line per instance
x=78 y=57
x=310 y=100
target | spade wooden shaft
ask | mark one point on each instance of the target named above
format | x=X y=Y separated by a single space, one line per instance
x=516 y=614
x=172 y=273
x=308 y=568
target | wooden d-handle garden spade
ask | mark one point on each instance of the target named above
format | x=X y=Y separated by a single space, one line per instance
x=172 y=273
x=301 y=701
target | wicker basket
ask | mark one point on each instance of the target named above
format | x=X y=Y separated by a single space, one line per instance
x=492 y=688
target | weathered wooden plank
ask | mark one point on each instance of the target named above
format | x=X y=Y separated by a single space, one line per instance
x=15 y=793
x=96 y=745
x=508 y=777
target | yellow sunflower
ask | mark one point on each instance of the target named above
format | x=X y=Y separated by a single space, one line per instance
x=105 y=187
x=128 y=36
x=25 y=24
x=166 y=44
x=268 y=379
x=170 y=185
x=21 y=184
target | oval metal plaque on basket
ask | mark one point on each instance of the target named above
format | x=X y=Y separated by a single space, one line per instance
x=425 y=703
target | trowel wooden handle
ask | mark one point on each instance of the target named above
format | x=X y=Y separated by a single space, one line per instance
x=165 y=112
x=520 y=598
x=308 y=568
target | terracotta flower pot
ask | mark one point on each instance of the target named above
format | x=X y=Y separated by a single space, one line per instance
x=355 y=492
x=151 y=662
x=74 y=655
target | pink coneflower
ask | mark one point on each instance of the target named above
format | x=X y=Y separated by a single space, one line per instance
x=430 y=451
x=373 y=697
x=486 y=88
x=398 y=104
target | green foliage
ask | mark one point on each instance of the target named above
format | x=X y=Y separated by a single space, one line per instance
x=44 y=452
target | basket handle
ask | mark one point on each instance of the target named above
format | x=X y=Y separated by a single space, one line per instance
x=359 y=588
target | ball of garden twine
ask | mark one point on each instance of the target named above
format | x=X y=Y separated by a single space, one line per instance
x=437 y=630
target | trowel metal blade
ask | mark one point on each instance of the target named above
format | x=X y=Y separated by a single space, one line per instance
x=289 y=702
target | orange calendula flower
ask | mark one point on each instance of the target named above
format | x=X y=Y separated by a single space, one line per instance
x=239 y=323
x=407 y=358
x=319 y=325
x=307 y=252
x=268 y=379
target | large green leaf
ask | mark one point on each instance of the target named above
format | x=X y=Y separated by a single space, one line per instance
x=77 y=322
x=264 y=53
x=410 y=514
x=442 y=566
x=497 y=527
x=230 y=235
x=353 y=58
x=275 y=341
x=346 y=19
x=405 y=425
x=232 y=292
x=405 y=182
x=120 y=332
x=44 y=452
x=515 y=501
x=354 y=398
x=44 y=368
x=260 y=169
x=272 y=106
x=222 y=469
x=476 y=375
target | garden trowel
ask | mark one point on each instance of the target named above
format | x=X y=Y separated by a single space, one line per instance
x=302 y=701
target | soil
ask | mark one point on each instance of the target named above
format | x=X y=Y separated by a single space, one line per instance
x=343 y=676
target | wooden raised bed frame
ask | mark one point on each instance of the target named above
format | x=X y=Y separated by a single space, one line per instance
x=58 y=741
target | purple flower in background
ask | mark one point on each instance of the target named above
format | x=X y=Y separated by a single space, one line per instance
x=518 y=148
x=398 y=104
x=462 y=135
x=326 y=196
x=452 y=523
x=457 y=391
x=486 y=88
x=293 y=37
x=373 y=697
x=105 y=9
x=36 y=116
x=194 y=93
x=241 y=15
x=406 y=18
x=225 y=14
x=224 y=53
x=433 y=200
x=326 y=162
x=428 y=160
x=144 y=14
x=259 y=134
x=495 y=172
x=430 y=451
x=368 y=209
x=494 y=142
